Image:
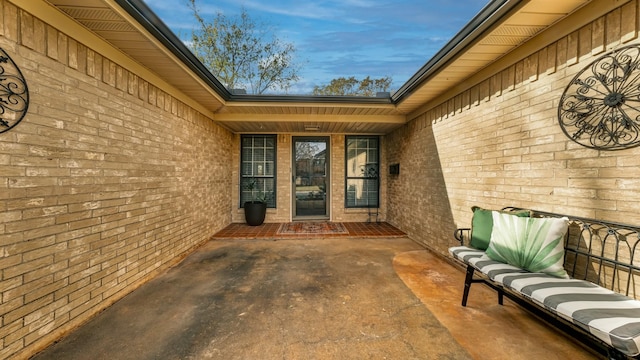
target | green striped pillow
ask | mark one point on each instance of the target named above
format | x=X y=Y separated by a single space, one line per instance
x=533 y=244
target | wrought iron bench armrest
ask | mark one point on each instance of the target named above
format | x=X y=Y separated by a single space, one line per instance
x=462 y=233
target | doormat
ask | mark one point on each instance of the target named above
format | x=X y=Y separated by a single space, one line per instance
x=312 y=228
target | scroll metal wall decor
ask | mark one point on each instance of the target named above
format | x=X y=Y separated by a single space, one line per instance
x=14 y=94
x=600 y=108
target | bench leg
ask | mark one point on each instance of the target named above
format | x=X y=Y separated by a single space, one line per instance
x=500 y=296
x=467 y=284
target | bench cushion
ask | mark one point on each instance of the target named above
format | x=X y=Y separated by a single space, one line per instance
x=609 y=316
x=494 y=270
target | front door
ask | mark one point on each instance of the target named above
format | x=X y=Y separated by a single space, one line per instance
x=310 y=177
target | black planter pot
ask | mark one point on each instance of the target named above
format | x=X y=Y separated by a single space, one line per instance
x=254 y=212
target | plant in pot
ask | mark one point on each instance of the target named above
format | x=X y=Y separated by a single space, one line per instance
x=255 y=209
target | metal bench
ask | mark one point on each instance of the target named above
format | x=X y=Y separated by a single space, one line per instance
x=598 y=305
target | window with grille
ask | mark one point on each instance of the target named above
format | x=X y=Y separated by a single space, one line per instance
x=258 y=167
x=362 y=171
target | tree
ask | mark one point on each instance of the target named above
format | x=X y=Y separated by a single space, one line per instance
x=242 y=53
x=306 y=150
x=354 y=87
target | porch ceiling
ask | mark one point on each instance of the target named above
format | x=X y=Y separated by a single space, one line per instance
x=133 y=29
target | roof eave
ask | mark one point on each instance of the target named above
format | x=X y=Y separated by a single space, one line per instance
x=152 y=23
x=490 y=15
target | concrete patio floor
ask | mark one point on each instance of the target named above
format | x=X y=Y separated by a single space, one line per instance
x=321 y=298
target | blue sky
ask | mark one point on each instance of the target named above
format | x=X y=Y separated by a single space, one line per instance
x=343 y=38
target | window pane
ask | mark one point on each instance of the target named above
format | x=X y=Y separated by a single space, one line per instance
x=269 y=190
x=246 y=168
x=270 y=142
x=258 y=169
x=352 y=166
x=258 y=154
x=270 y=154
x=370 y=170
x=246 y=153
x=269 y=168
x=372 y=156
x=362 y=193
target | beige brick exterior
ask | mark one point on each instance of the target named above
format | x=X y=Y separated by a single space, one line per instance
x=498 y=143
x=107 y=181
x=110 y=179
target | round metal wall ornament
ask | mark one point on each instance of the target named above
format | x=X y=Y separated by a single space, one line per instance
x=600 y=108
x=14 y=94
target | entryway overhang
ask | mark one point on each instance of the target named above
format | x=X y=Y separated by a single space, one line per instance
x=311 y=117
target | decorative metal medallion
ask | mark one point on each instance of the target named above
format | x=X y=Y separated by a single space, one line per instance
x=14 y=95
x=600 y=108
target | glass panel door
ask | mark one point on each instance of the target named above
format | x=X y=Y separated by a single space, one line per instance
x=310 y=177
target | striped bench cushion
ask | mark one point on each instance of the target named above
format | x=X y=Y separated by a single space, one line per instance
x=495 y=270
x=609 y=316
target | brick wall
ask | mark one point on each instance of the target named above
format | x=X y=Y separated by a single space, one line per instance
x=498 y=143
x=107 y=181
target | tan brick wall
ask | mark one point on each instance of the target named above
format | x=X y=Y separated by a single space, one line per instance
x=499 y=143
x=107 y=181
